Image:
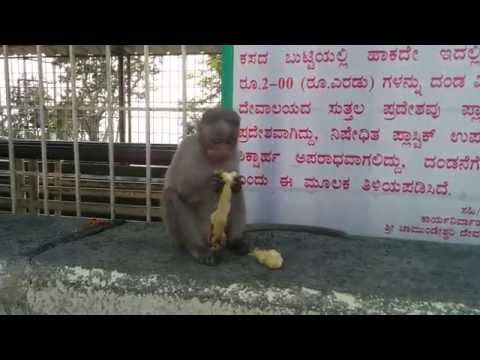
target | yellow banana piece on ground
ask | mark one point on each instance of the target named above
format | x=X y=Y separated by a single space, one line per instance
x=272 y=259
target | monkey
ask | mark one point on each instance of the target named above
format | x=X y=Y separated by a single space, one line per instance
x=193 y=185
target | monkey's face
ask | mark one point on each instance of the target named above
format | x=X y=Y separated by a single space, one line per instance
x=219 y=135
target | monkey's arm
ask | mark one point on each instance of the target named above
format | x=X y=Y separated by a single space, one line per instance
x=236 y=221
x=189 y=173
x=183 y=226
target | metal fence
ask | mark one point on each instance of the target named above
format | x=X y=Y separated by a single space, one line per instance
x=81 y=98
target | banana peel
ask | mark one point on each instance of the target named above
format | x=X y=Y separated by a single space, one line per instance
x=272 y=259
x=219 y=218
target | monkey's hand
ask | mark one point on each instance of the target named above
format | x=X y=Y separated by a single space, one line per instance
x=217 y=182
x=216 y=244
x=237 y=184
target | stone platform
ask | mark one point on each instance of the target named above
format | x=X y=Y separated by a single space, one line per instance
x=134 y=269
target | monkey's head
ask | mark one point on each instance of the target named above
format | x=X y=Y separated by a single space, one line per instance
x=218 y=132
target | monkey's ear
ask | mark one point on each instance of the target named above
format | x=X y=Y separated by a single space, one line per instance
x=209 y=115
x=196 y=123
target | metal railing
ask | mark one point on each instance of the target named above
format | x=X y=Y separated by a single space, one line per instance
x=53 y=181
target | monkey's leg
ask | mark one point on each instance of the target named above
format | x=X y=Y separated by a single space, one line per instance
x=237 y=217
x=183 y=227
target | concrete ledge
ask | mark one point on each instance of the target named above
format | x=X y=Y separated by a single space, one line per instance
x=133 y=269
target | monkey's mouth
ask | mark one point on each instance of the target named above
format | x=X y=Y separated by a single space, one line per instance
x=218 y=156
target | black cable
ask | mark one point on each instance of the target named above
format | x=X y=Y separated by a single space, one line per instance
x=316 y=230
x=92 y=230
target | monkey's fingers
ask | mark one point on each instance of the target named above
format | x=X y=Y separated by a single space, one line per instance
x=237 y=184
x=217 y=182
x=217 y=244
x=223 y=240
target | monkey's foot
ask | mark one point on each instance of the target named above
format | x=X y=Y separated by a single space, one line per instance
x=210 y=259
x=239 y=247
x=202 y=254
